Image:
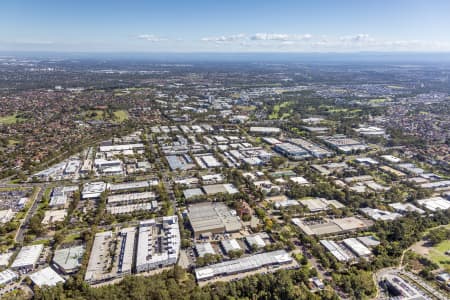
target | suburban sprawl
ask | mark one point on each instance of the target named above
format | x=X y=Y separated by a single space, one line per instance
x=223 y=181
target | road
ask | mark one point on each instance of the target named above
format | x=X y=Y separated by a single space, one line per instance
x=24 y=224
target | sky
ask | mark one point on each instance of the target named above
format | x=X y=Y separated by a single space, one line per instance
x=225 y=26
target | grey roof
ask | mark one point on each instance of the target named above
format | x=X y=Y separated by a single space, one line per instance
x=69 y=259
x=244 y=264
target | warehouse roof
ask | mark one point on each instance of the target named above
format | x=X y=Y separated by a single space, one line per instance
x=28 y=256
x=46 y=277
x=244 y=264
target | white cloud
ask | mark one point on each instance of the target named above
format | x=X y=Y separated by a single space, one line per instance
x=279 y=37
x=151 y=38
x=225 y=38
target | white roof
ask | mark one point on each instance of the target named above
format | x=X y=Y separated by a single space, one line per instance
x=243 y=264
x=46 y=277
x=28 y=256
x=435 y=203
x=7 y=276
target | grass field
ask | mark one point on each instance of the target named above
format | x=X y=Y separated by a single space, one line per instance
x=437 y=254
x=121 y=115
x=11 y=119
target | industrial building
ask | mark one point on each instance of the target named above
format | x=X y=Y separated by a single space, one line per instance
x=46 y=277
x=291 y=151
x=344 y=144
x=245 y=264
x=27 y=258
x=255 y=241
x=435 y=203
x=405 y=208
x=380 y=215
x=320 y=204
x=68 y=260
x=203 y=249
x=230 y=245
x=131 y=198
x=93 y=190
x=7 y=276
x=158 y=243
x=131 y=186
x=332 y=226
x=211 y=218
x=60 y=196
x=336 y=250
x=127 y=242
x=180 y=162
x=226 y=188
x=109 y=167
x=52 y=216
x=347 y=250
x=265 y=130
x=130 y=208
x=313 y=149
x=120 y=148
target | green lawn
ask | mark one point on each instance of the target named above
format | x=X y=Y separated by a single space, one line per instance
x=437 y=254
x=121 y=115
x=11 y=119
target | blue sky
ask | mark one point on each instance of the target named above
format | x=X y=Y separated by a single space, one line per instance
x=225 y=26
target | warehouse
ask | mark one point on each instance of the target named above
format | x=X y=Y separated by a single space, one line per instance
x=245 y=264
x=344 y=144
x=314 y=149
x=191 y=193
x=52 y=216
x=129 y=186
x=46 y=277
x=357 y=247
x=158 y=243
x=127 y=241
x=207 y=218
x=230 y=246
x=378 y=214
x=220 y=188
x=131 y=198
x=27 y=258
x=130 y=208
x=60 y=195
x=180 y=162
x=405 y=208
x=92 y=190
x=121 y=148
x=255 y=241
x=336 y=250
x=203 y=249
x=435 y=203
x=265 y=130
x=68 y=260
x=291 y=151
x=332 y=226
x=7 y=276
x=320 y=204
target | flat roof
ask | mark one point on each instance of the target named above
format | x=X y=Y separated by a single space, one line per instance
x=216 y=216
x=69 y=259
x=331 y=226
x=28 y=256
x=203 y=249
x=243 y=264
x=131 y=197
x=128 y=185
x=46 y=277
